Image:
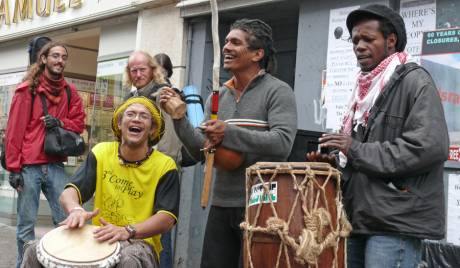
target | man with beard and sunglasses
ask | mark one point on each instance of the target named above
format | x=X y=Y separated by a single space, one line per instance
x=392 y=146
x=257 y=119
x=31 y=170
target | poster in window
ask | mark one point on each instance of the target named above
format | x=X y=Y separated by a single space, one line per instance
x=441 y=57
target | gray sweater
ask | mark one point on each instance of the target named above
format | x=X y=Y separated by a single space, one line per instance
x=266 y=99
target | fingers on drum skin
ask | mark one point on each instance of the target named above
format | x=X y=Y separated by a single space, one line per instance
x=78 y=221
x=313 y=156
x=82 y=221
x=114 y=239
x=319 y=157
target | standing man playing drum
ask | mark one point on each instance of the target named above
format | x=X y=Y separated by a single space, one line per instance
x=257 y=100
x=31 y=170
x=393 y=144
x=136 y=188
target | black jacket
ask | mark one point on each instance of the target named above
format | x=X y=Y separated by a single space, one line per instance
x=393 y=182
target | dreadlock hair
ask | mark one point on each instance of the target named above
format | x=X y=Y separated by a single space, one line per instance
x=260 y=37
x=37 y=69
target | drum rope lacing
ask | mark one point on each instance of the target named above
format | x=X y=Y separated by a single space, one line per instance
x=311 y=243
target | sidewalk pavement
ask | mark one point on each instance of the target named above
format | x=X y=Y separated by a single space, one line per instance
x=7 y=246
x=8 y=243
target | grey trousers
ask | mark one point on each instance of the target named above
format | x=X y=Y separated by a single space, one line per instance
x=135 y=253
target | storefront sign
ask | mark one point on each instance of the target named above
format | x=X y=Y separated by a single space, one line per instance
x=23 y=9
x=26 y=17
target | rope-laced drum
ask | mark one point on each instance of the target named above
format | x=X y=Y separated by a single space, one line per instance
x=294 y=216
x=76 y=248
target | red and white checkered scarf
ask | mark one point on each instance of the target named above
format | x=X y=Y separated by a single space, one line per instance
x=368 y=88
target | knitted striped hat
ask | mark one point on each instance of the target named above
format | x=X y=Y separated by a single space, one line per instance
x=154 y=112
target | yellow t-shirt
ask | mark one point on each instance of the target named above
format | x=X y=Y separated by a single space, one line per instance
x=125 y=194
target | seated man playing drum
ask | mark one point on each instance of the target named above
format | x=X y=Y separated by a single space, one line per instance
x=136 y=188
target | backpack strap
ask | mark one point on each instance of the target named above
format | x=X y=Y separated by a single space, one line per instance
x=45 y=107
x=197 y=99
x=69 y=94
x=43 y=99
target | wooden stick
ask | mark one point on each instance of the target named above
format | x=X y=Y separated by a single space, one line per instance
x=215 y=100
x=207 y=178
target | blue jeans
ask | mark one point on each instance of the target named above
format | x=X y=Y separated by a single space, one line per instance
x=166 y=254
x=383 y=251
x=49 y=178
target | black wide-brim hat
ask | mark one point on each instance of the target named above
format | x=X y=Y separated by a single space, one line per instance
x=383 y=12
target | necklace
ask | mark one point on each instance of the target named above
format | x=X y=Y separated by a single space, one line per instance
x=136 y=163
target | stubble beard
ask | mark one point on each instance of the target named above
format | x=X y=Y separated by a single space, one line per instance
x=53 y=74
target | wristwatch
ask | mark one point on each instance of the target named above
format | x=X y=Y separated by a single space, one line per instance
x=131 y=230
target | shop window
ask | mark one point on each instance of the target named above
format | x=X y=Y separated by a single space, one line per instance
x=440 y=55
x=8 y=83
x=108 y=94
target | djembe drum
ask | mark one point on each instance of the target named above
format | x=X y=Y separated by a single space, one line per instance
x=76 y=248
x=294 y=216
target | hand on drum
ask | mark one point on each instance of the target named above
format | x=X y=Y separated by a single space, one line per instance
x=78 y=217
x=338 y=141
x=111 y=233
x=316 y=156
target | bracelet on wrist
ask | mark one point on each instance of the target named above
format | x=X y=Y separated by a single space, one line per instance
x=131 y=230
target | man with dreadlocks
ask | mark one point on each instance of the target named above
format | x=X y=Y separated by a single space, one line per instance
x=257 y=117
x=31 y=170
x=142 y=181
x=393 y=144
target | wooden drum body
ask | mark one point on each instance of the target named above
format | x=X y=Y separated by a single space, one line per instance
x=76 y=248
x=294 y=216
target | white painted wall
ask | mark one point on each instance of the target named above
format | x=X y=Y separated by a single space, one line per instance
x=162 y=30
x=116 y=39
x=14 y=56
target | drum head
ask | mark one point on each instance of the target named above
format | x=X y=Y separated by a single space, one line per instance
x=76 y=245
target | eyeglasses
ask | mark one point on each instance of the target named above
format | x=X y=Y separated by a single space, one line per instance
x=56 y=56
x=142 y=116
x=134 y=70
